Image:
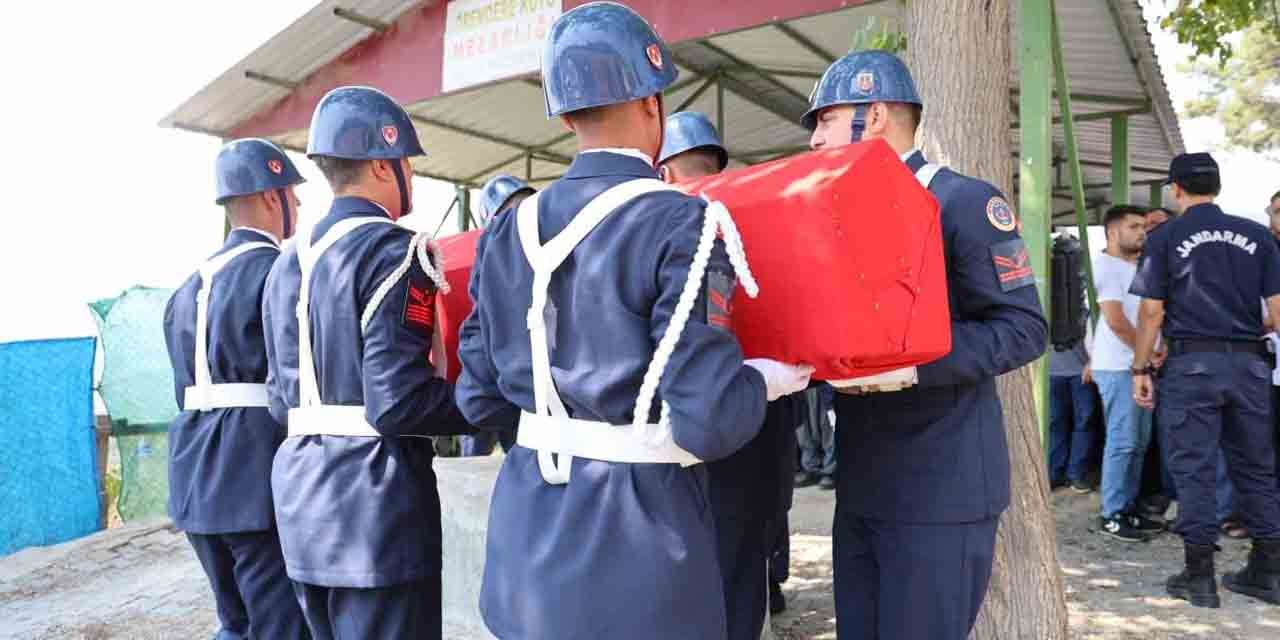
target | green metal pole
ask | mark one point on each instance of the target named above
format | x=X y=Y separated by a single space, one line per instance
x=1157 y=194
x=1035 y=175
x=464 y=207
x=1073 y=166
x=720 y=108
x=1119 y=160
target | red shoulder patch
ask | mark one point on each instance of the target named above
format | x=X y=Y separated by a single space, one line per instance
x=720 y=300
x=419 y=314
x=1013 y=265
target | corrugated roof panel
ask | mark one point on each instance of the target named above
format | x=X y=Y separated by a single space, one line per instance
x=512 y=110
x=312 y=41
x=1096 y=58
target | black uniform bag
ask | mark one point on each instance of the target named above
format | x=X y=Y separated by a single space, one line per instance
x=1067 y=324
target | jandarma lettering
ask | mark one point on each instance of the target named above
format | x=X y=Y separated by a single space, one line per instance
x=1228 y=237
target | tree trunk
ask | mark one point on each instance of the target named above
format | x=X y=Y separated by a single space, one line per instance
x=959 y=53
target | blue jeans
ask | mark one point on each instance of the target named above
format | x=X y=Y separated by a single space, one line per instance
x=1128 y=434
x=1071 y=409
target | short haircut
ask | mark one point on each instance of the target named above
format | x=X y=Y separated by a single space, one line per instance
x=1274 y=196
x=237 y=208
x=1120 y=212
x=1167 y=212
x=699 y=161
x=912 y=112
x=1202 y=184
x=340 y=172
x=591 y=117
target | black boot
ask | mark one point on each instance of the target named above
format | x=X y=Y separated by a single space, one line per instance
x=1196 y=583
x=1260 y=578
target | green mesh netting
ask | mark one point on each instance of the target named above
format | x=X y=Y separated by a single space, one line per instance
x=137 y=388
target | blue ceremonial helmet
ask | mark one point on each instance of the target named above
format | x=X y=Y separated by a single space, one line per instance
x=362 y=123
x=497 y=192
x=602 y=53
x=690 y=130
x=861 y=78
x=254 y=165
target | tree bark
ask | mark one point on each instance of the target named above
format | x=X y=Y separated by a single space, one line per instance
x=960 y=54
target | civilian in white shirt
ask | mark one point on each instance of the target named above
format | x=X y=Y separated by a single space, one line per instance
x=1128 y=426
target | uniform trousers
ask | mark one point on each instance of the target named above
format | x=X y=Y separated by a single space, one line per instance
x=481 y=443
x=1220 y=401
x=816 y=435
x=250 y=588
x=900 y=581
x=743 y=554
x=410 y=610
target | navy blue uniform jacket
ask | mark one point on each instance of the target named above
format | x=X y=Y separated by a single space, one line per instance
x=220 y=460
x=623 y=550
x=357 y=512
x=936 y=453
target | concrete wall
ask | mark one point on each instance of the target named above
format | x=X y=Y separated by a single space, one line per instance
x=466 y=485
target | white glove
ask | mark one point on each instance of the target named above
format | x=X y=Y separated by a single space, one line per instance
x=781 y=379
x=895 y=380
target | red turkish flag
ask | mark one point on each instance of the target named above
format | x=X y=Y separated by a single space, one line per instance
x=846 y=246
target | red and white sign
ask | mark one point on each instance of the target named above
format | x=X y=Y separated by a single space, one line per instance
x=487 y=40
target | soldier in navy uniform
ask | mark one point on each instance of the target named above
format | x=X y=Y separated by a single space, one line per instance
x=1201 y=276
x=221 y=444
x=923 y=473
x=500 y=193
x=349 y=312
x=750 y=489
x=600 y=326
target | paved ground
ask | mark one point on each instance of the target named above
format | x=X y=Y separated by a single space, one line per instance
x=1115 y=590
x=142 y=582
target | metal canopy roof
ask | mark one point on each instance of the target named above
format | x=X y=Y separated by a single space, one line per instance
x=765 y=73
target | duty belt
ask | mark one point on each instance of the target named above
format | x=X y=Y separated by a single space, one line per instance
x=1199 y=345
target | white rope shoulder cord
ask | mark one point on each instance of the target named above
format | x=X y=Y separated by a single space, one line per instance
x=312 y=416
x=550 y=430
x=204 y=394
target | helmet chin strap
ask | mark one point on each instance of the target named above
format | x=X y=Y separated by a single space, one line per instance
x=859 y=122
x=287 y=227
x=662 y=128
x=406 y=206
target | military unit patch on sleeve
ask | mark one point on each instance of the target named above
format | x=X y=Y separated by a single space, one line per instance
x=1013 y=264
x=419 y=314
x=720 y=300
x=1001 y=214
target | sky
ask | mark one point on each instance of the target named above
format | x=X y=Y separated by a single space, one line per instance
x=99 y=198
